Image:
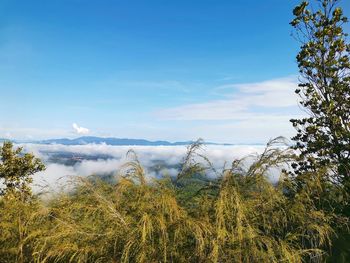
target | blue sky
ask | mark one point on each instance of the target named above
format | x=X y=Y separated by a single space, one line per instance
x=173 y=70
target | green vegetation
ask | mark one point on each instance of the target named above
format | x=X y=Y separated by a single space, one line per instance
x=16 y=170
x=240 y=216
x=323 y=138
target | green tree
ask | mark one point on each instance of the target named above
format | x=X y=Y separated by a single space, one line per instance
x=19 y=209
x=17 y=169
x=323 y=138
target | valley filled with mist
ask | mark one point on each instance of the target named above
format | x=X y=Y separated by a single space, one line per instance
x=105 y=161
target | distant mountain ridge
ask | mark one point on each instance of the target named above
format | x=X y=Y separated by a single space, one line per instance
x=116 y=142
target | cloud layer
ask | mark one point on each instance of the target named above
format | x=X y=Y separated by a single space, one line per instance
x=113 y=157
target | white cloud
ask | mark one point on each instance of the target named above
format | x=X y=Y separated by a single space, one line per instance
x=243 y=113
x=237 y=113
x=243 y=102
x=57 y=174
x=54 y=178
x=80 y=130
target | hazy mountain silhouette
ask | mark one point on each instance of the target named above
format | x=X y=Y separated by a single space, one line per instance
x=115 y=141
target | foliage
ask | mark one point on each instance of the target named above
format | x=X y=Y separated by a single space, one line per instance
x=323 y=138
x=19 y=210
x=16 y=169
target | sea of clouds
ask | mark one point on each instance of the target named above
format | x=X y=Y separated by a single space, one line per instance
x=57 y=174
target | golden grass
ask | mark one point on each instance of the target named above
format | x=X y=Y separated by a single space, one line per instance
x=240 y=217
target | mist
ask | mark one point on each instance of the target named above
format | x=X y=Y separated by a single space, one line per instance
x=102 y=159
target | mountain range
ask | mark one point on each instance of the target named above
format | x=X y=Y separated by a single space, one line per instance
x=114 y=141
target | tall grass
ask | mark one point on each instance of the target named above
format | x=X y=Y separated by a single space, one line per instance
x=241 y=216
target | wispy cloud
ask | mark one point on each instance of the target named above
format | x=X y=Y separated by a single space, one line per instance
x=237 y=113
x=242 y=102
x=80 y=130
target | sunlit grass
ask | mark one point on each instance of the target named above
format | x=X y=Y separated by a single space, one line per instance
x=241 y=216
